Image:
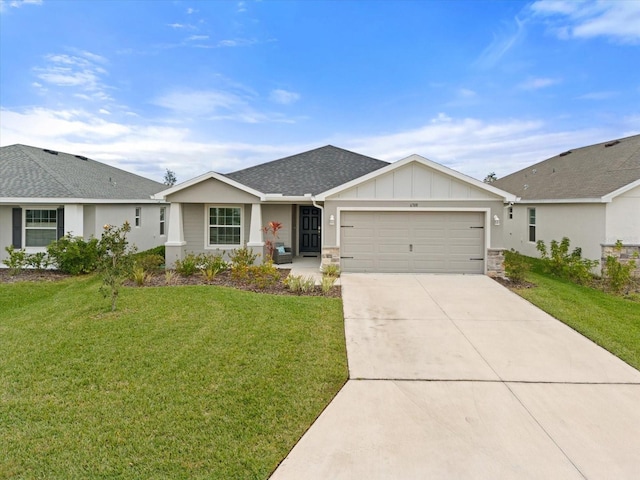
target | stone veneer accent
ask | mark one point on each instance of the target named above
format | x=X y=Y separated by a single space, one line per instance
x=495 y=262
x=625 y=255
x=330 y=256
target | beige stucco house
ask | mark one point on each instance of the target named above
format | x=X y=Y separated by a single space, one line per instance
x=341 y=207
x=45 y=194
x=590 y=195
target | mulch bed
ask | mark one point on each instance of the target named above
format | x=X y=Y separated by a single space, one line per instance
x=223 y=279
x=511 y=284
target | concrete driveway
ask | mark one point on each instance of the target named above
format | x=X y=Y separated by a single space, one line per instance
x=454 y=376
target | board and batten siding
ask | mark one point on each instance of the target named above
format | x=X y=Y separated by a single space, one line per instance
x=623 y=218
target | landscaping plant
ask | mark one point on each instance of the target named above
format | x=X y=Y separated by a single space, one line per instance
x=516 y=266
x=74 y=255
x=558 y=261
x=272 y=229
x=619 y=275
x=115 y=260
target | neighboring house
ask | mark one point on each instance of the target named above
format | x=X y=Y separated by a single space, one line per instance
x=361 y=213
x=45 y=194
x=590 y=195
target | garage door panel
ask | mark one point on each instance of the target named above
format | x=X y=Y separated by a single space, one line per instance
x=429 y=242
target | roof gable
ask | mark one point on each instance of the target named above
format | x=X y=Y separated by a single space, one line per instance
x=310 y=172
x=598 y=171
x=31 y=172
x=416 y=177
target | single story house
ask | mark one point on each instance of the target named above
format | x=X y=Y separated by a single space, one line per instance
x=364 y=214
x=45 y=194
x=590 y=195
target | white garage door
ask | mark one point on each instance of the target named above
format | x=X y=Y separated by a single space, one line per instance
x=412 y=242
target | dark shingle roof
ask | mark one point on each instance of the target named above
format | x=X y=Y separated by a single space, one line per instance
x=32 y=172
x=313 y=172
x=587 y=172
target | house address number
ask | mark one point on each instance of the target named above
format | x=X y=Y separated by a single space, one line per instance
x=413 y=204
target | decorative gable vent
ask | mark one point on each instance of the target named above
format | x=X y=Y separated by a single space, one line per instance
x=611 y=144
x=52 y=152
x=564 y=154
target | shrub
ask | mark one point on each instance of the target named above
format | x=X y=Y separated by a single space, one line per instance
x=149 y=261
x=559 y=262
x=241 y=260
x=300 y=284
x=188 y=265
x=242 y=257
x=74 y=255
x=213 y=263
x=17 y=259
x=140 y=275
x=516 y=266
x=618 y=275
x=39 y=260
x=170 y=277
x=331 y=270
x=264 y=275
x=327 y=283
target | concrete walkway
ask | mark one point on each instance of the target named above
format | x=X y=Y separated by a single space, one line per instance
x=454 y=377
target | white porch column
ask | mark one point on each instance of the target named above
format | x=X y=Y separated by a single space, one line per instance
x=175 y=237
x=255 y=228
x=74 y=220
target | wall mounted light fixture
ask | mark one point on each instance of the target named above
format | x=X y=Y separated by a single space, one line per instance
x=496 y=220
x=332 y=220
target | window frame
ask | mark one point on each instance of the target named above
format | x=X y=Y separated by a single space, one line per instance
x=531 y=226
x=137 y=217
x=207 y=231
x=26 y=228
x=163 y=218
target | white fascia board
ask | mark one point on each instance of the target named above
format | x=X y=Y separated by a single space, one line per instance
x=67 y=201
x=610 y=196
x=210 y=175
x=562 y=200
x=272 y=198
x=506 y=196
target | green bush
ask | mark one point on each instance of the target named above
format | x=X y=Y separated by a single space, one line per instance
x=17 y=259
x=188 y=265
x=149 y=261
x=331 y=270
x=516 y=265
x=559 y=262
x=115 y=260
x=327 y=283
x=264 y=275
x=618 y=275
x=74 y=255
x=242 y=257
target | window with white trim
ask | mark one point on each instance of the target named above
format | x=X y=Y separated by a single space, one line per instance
x=225 y=226
x=138 y=217
x=163 y=212
x=532 y=224
x=40 y=227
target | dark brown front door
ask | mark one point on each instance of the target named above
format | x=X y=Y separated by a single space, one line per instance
x=309 y=229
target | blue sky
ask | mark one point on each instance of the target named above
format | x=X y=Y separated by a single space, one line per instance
x=195 y=86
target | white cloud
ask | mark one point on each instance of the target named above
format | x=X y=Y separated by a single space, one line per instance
x=199 y=103
x=82 y=71
x=470 y=145
x=605 y=95
x=466 y=93
x=501 y=44
x=617 y=20
x=476 y=147
x=284 y=97
x=537 y=83
x=17 y=3
x=193 y=38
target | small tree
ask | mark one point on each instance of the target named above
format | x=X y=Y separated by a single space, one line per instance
x=490 y=178
x=115 y=260
x=170 y=178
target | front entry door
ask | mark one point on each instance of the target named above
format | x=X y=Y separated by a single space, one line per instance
x=309 y=229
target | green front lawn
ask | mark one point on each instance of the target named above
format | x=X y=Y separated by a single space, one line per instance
x=611 y=321
x=180 y=382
